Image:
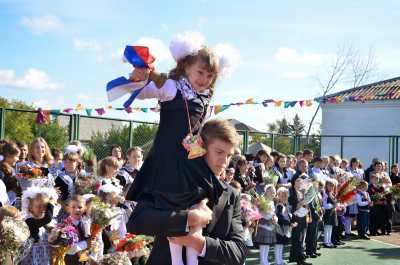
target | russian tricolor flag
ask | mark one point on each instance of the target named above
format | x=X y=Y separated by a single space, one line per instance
x=139 y=57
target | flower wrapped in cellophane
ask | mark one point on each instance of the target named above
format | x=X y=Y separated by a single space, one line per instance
x=61 y=238
x=348 y=190
x=29 y=175
x=395 y=190
x=14 y=239
x=101 y=215
x=248 y=210
x=136 y=246
x=85 y=185
x=116 y=258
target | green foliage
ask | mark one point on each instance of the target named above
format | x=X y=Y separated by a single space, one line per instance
x=143 y=136
x=21 y=126
x=283 y=144
x=55 y=135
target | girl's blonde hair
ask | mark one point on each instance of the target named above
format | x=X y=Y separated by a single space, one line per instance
x=282 y=190
x=39 y=197
x=270 y=187
x=109 y=161
x=205 y=56
x=48 y=158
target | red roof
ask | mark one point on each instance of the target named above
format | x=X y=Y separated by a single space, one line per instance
x=382 y=90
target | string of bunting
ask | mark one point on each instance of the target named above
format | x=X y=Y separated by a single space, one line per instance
x=44 y=116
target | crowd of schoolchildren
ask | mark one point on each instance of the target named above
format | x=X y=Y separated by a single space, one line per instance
x=64 y=190
x=290 y=215
x=299 y=217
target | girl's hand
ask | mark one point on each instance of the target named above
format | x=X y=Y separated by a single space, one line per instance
x=294 y=224
x=200 y=215
x=139 y=74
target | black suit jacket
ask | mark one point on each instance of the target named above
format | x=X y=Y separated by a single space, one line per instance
x=224 y=235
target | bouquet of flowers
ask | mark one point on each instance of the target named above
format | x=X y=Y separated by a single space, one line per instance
x=395 y=190
x=116 y=258
x=264 y=205
x=249 y=211
x=348 y=190
x=14 y=239
x=136 y=246
x=376 y=197
x=29 y=175
x=101 y=215
x=29 y=172
x=85 y=185
x=61 y=238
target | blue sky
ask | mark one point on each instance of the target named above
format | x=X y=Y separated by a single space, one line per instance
x=56 y=54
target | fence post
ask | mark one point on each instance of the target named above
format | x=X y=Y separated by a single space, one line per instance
x=130 y=137
x=397 y=149
x=273 y=141
x=294 y=144
x=77 y=125
x=74 y=127
x=71 y=127
x=245 y=141
x=2 y=123
x=341 y=146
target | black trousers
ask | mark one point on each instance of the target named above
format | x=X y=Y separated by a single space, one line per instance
x=377 y=219
x=312 y=237
x=297 y=249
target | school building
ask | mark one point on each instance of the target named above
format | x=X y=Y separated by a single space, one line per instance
x=363 y=122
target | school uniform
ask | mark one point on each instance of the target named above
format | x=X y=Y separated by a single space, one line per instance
x=363 y=201
x=40 y=251
x=73 y=254
x=377 y=211
x=65 y=181
x=330 y=218
x=298 y=232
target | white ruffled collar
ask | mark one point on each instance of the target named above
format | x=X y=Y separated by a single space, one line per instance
x=188 y=92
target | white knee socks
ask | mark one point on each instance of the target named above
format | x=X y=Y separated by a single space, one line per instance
x=264 y=249
x=176 y=254
x=191 y=253
x=278 y=254
x=347 y=225
x=328 y=234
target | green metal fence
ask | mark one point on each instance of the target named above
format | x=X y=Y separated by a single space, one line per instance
x=99 y=133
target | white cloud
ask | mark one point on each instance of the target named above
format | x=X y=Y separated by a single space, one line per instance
x=292 y=56
x=157 y=48
x=33 y=79
x=40 y=25
x=42 y=103
x=82 y=45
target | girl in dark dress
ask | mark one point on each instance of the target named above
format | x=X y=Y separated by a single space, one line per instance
x=166 y=180
x=284 y=232
x=299 y=214
x=330 y=216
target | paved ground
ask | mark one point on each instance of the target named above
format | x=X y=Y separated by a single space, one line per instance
x=381 y=250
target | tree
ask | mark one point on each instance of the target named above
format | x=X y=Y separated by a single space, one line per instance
x=143 y=136
x=55 y=135
x=21 y=126
x=348 y=64
x=279 y=126
x=297 y=126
